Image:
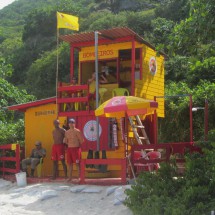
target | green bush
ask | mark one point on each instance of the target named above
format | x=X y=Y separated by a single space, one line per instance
x=166 y=193
x=12 y=132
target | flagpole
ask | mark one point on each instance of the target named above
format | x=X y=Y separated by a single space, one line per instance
x=57 y=72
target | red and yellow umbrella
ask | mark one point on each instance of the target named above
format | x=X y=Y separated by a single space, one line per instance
x=120 y=106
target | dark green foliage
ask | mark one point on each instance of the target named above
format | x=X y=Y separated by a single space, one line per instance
x=177 y=68
x=202 y=70
x=156 y=193
x=174 y=10
x=39 y=35
x=10 y=95
x=161 y=28
x=6 y=70
x=12 y=129
x=183 y=29
x=42 y=73
x=166 y=193
x=115 y=6
x=175 y=126
x=142 y=22
x=196 y=32
x=39 y=23
x=12 y=132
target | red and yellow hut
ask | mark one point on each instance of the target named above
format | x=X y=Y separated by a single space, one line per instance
x=131 y=66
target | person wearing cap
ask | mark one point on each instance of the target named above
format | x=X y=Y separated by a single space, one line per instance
x=74 y=139
x=36 y=154
x=58 y=149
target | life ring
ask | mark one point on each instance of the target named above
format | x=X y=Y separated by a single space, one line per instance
x=90 y=130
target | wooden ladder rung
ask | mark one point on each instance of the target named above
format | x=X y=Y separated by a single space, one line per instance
x=143 y=138
x=138 y=126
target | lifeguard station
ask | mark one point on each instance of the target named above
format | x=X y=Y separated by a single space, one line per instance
x=132 y=67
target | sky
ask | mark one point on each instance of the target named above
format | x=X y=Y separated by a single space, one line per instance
x=4 y=3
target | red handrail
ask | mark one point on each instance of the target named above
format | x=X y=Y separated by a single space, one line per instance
x=171 y=149
x=4 y=158
x=108 y=161
x=81 y=90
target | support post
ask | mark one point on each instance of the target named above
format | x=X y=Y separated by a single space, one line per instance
x=133 y=67
x=97 y=88
x=191 y=119
x=72 y=63
x=155 y=125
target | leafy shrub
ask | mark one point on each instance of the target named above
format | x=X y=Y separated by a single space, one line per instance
x=162 y=193
x=12 y=133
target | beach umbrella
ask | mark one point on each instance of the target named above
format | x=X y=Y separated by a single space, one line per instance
x=121 y=106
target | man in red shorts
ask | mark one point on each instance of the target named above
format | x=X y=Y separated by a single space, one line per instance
x=74 y=139
x=58 y=149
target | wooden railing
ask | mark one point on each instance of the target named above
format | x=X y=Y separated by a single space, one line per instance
x=77 y=94
x=9 y=152
x=168 y=149
x=112 y=161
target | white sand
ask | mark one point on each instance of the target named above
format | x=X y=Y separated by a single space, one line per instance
x=50 y=198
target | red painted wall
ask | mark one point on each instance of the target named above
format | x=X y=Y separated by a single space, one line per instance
x=87 y=125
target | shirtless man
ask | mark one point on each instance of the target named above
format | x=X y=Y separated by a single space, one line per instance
x=58 y=149
x=74 y=139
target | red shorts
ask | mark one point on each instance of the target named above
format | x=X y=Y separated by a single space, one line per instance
x=73 y=155
x=58 y=152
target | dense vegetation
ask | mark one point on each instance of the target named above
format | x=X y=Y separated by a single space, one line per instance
x=183 y=29
x=167 y=194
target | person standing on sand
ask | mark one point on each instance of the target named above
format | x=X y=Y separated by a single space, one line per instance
x=74 y=139
x=58 y=149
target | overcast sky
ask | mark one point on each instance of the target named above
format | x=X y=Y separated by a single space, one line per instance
x=4 y=3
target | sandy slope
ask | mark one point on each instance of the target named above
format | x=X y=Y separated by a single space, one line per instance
x=40 y=199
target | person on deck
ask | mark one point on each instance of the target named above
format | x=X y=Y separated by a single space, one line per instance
x=36 y=154
x=92 y=85
x=74 y=139
x=58 y=149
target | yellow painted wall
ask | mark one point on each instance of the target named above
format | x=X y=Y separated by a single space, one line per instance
x=39 y=126
x=147 y=87
x=151 y=85
x=39 y=120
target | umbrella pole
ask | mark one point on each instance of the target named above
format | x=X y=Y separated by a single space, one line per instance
x=97 y=87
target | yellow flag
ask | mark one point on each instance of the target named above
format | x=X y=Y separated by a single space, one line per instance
x=67 y=21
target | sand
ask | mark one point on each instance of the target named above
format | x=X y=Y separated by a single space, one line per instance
x=61 y=198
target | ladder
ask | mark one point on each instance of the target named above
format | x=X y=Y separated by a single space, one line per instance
x=136 y=125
